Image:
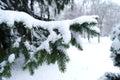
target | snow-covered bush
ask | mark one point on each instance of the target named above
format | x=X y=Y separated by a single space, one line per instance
x=115 y=54
x=115 y=47
x=39 y=41
x=110 y=76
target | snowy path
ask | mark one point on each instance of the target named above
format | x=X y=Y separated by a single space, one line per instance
x=89 y=64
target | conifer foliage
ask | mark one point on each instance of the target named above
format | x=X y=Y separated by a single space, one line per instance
x=39 y=41
x=44 y=10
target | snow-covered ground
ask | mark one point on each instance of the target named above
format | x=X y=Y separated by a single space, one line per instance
x=89 y=64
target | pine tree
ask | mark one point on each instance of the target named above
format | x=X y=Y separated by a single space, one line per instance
x=39 y=41
x=45 y=8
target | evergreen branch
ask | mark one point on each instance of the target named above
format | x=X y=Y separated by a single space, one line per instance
x=39 y=41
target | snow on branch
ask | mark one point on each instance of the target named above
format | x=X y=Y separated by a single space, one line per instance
x=56 y=29
x=10 y=17
x=35 y=38
x=62 y=27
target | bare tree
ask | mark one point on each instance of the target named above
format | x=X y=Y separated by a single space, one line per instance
x=108 y=12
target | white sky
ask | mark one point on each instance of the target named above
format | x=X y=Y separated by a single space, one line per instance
x=116 y=1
